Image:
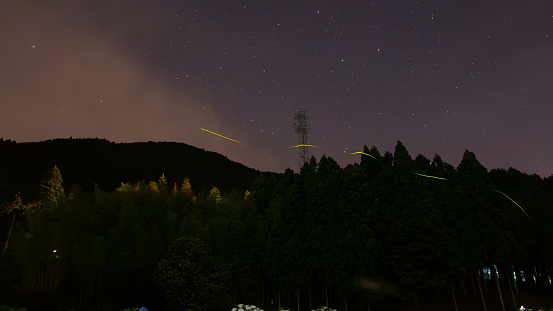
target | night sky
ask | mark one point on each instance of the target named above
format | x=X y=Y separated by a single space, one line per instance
x=442 y=76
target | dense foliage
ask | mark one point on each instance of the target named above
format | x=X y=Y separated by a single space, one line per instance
x=349 y=238
x=86 y=162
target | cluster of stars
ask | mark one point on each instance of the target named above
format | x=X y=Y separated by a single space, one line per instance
x=424 y=72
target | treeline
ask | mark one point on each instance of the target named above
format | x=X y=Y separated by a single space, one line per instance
x=390 y=228
x=90 y=161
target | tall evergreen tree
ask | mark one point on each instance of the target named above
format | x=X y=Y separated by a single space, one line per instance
x=372 y=164
x=51 y=189
x=162 y=184
x=402 y=159
x=473 y=170
x=262 y=191
x=422 y=163
x=214 y=195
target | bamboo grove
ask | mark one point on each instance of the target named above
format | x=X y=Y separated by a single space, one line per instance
x=363 y=236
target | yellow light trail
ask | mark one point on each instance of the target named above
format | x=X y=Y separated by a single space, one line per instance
x=370 y=155
x=428 y=176
x=304 y=146
x=221 y=136
x=514 y=202
x=492 y=189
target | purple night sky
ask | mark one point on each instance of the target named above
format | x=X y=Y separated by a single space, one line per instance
x=440 y=76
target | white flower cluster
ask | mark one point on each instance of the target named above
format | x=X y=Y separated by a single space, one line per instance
x=242 y=307
x=522 y=308
x=324 y=309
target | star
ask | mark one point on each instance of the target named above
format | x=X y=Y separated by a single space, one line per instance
x=222 y=64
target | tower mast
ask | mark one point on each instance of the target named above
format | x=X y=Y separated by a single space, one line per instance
x=302 y=127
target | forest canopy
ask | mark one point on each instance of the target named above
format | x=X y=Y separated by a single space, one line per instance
x=390 y=228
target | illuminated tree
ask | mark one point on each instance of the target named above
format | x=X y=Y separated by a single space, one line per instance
x=162 y=184
x=51 y=189
x=124 y=187
x=153 y=186
x=214 y=195
x=13 y=207
x=187 y=192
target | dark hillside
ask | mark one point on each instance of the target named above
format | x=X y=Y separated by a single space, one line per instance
x=85 y=162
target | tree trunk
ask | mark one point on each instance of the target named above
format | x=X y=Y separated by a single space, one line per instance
x=546 y=269
x=536 y=271
x=454 y=301
x=518 y=279
x=481 y=293
x=9 y=234
x=495 y=275
x=298 y=298
x=346 y=303
x=529 y=282
x=326 y=295
x=279 y=298
x=542 y=273
x=309 y=296
x=484 y=281
x=512 y=293
x=473 y=283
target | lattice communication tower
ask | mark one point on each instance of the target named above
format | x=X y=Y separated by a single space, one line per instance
x=302 y=127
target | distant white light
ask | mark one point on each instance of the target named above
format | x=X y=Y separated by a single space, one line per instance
x=54 y=251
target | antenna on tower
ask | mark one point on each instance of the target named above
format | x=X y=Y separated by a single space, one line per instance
x=302 y=127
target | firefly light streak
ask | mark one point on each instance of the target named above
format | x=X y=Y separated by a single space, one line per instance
x=492 y=189
x=370 y=155
x=221 y=136
x=514 y=202
x=359 y=152
x=435 y=177
x=304 y=146
x=428 y=176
